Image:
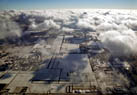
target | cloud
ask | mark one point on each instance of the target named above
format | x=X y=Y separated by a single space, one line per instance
x=46 y=25
x=132 y=24
x=69 y=30
x=120 y=43
x=43 y=47
x=9 y=28
x=117 y=28
x=85 y=25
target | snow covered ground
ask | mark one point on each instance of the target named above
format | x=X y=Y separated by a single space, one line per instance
x=117 y=28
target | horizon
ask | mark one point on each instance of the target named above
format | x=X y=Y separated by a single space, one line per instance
x=62 y=4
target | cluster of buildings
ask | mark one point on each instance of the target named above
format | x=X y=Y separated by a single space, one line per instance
x=78 y=65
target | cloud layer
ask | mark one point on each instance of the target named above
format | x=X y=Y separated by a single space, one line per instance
x=117 y=28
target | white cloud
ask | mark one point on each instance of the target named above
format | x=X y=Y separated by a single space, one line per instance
x=46 y=25
x=9 y=28
x=83 y=24
x=66 y=29
x=120 y=43
x=117 y=27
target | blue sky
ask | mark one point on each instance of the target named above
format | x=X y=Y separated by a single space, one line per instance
x=52 y=4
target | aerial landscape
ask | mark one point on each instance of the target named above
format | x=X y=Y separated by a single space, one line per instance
x=68 y=52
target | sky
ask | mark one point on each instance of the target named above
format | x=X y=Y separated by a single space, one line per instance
x=66 y=4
